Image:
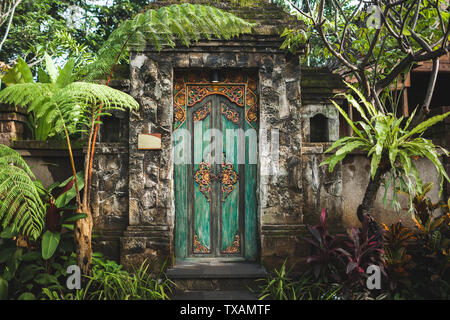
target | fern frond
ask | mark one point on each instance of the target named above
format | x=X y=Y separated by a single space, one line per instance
x=69 y=106
x=20 y=203
x=161 y=28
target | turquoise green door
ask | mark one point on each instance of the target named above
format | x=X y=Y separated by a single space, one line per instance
x=215 y=181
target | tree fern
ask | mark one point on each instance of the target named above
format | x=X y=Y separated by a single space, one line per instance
x=66 y=106
x=71 y=106
x=160 y=28
x=20 y=203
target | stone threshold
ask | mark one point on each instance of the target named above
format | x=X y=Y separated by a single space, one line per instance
x=216 y=269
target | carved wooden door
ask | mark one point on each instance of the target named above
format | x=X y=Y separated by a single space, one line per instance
x=215 y=185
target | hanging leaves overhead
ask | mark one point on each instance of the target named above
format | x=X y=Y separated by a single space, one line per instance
x=185 y=23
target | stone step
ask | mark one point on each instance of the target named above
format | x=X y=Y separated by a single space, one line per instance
x=216 y=275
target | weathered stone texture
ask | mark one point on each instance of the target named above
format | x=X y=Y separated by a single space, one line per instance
x=109 y=197
x=321 y=189
x=12 y=124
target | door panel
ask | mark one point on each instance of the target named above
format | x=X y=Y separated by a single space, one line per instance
x=201 y=120
x=215 y=193
x=231 y=180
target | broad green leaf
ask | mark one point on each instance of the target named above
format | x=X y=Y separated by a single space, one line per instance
x=67 y=196
x=51 y=68
x=349 y=121
x=349 y=147
x=374 y=164
x=43 y=77
x=73 y=218
x=50 y=241
x=3 y=289
x=27 y=296
x=421 y=127
x=46 y=279
x=66 y=74
x=31 y=256
x=25 y=71
x=406 y=32
x=338 y=143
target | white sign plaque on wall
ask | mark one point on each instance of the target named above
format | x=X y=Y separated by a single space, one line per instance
x=149 y=141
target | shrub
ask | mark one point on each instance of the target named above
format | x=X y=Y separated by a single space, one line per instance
x=280 y=286
x=109 y=281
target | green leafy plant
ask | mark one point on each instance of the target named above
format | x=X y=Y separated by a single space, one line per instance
x=325 y=260
x=417 y=259
x=110 y=282
x=29 y=263
x=183 y=23
x=281 y=286
x=391 y=145
x=60 y=216
x=374 y=43
x=24 y=272
x=68 y=105
x=21 y=206
x=396 y=239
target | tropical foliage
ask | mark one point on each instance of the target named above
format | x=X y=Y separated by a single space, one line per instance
x=391 y=143
x=343 y=258
x=69 y=106
x=58 y=103
x=185 y=23
x=280 y=285
x=417 y=259
x=413 y=261
x=62 y=29
x=29 y=263
x=375 y=43
x=21 y=206
x=109 y=281
x=325 y=260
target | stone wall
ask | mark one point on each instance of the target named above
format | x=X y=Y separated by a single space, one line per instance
x=13 y=123
x=355 y=177
x=341 y=191
x=49 y=165
x=109 y=197
x=321 y=188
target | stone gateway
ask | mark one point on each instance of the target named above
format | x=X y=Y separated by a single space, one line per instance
x=243 y=129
